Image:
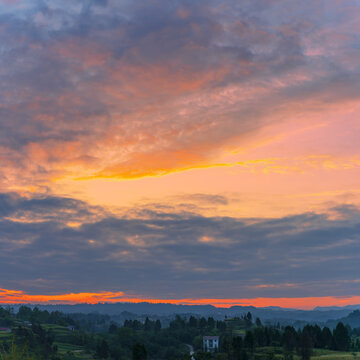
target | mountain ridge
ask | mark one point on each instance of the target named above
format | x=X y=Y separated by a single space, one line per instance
x=166 y=309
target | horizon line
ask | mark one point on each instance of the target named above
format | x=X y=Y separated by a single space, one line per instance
x=19 y=297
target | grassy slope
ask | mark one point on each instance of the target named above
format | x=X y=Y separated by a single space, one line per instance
x=318 y=354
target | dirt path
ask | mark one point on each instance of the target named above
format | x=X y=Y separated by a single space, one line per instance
x=191 y=350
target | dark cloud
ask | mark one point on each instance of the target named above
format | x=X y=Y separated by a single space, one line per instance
x=179 y=255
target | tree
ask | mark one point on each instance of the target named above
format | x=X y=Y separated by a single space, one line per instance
x=237 y=344
x=202 y=355
x=227 y=345
x=113 y=329
x=244 y=355
x=221 y=325
x=259 y=335
x=202 y=323
x=102 y=349
x=157 y=326
x=192 y=322
x=305 y=344
x=147 y=324
x=24 y=313
x=249 y=341
x=139 y=352
x=211 y=323
x=248 y=319
x=341 y=337
x=186 y=357
x=327 y=338
x=249 y=316
x=289 y=342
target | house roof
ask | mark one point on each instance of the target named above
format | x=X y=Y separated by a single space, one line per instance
x=210 y=338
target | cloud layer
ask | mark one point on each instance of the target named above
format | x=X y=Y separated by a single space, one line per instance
x=167 y=254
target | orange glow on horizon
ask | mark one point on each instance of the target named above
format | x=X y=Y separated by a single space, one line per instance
x=306 y=303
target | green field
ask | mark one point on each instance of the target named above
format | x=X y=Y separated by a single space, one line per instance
x=238 y=332
x=5 y=335
x=318 y=354
x=76 y=352
x=62 y=336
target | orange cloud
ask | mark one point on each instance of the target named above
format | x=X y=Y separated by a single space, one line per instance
x=20 y=297
x=152 y=165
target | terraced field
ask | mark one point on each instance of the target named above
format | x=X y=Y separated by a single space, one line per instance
x=62 y=339
x=5 y=335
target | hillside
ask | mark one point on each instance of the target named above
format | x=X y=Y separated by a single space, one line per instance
x=353 y=320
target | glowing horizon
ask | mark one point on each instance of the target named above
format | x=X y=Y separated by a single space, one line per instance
x=12 y=297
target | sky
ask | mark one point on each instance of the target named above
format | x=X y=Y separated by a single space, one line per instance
x=180 y=151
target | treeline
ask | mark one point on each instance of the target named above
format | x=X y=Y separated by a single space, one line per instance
x=93 y=322
x=6 y=317
x=142 y=340
x=36 y=316
x=33 y=316
x=256 y=341
x=241 y=338
x=292 y=341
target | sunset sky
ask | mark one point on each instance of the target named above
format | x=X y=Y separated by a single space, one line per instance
x=186 y=151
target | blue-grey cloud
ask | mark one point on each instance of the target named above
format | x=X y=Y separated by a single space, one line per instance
x=175 y=254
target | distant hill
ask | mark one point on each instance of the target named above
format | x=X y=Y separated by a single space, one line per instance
x=353 y=319
x=270 y=314
x=348 y=307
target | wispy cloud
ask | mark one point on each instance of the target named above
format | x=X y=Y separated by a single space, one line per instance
x=127 y=90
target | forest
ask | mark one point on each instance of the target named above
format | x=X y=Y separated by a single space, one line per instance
x=33 y=334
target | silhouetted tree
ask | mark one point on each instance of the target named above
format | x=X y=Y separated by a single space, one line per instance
x=327 y=338
x=341 y=337
x=139 y=352
x=289 y=342
x=102 y=349
x=192 y=322
x=113 y=329
x=147 y=324
x=249 y=341
x=258 y=322
x=237 y=345
x=211 y=323
x=305 y=344
x=157 y=326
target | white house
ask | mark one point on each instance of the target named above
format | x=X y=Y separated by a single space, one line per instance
x=210 y=343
